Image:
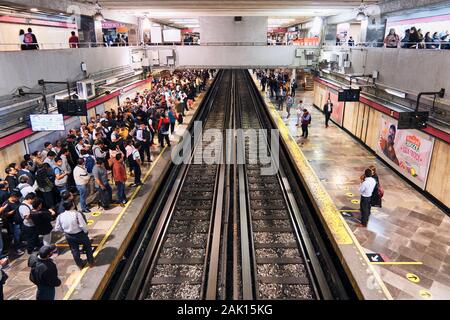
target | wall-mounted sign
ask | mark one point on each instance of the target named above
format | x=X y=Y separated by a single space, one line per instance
x=409 y=150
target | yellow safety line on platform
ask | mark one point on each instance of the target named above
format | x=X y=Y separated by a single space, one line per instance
x=351 y=210
x=399 y=262
x=335 y=221
x=111 y=229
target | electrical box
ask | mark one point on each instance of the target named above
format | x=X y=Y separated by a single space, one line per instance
x=86 y=89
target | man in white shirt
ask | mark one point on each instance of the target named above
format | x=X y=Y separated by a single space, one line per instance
x=366 y=189
x=72 y=224
x=24 y=186
x=82 y=178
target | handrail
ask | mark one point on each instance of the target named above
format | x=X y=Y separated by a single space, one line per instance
x=66 y=45
x=439 y=45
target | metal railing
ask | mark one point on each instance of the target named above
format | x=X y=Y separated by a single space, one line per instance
x=67 y=45
x=441 y=45
x=60 y=45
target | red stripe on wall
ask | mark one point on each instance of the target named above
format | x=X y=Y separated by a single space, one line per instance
x=17 y=136
x=433 y=131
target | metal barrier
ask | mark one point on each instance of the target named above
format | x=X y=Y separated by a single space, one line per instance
x=67 y=45
x=441 y=45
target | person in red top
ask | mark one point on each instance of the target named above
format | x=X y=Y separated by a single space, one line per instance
x=73 y=40
x=119 y=173
x=163 y=130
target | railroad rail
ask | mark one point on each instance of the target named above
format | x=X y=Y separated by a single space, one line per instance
x=223 y=230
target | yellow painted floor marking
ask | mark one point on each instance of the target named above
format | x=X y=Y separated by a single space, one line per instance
x=96 y=214
x=398 y=262
x=349 y=194
x=111 y=229
x=350 y=210
x=425 y=294
x=355 y=201
x=89 y=222
x=66 y=245
x=413 y=277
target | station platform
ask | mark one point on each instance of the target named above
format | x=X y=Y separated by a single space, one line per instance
x=405 y=249
x=109 y=230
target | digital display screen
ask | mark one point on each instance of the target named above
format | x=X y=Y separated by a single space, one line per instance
x=47 y=122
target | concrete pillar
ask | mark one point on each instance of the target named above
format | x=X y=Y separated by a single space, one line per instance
x=227 y=30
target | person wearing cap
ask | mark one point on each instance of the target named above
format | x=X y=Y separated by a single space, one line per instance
x=44 y=273
x=73 y=225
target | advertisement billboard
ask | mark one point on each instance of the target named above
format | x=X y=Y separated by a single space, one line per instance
x=409 y=151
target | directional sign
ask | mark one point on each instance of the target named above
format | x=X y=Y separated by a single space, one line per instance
x=425 y=294
x=375 y=257
x=413 y=277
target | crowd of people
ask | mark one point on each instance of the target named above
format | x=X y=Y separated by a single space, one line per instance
x=280 y=88
x=28 y=40
x=415 y=39
x=48 y=190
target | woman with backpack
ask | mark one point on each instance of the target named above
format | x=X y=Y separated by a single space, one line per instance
x=45 y=185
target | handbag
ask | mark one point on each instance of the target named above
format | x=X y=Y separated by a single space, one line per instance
x=380 y=191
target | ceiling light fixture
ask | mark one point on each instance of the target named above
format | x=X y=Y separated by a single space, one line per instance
x=361 y=15
x=34 y=10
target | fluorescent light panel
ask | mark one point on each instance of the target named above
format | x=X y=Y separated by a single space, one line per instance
x=396 y=93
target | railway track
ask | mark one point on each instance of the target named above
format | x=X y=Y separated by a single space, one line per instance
x=279 y=265
x=224 y=230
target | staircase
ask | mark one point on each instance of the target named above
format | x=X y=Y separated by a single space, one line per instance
x=309 y=82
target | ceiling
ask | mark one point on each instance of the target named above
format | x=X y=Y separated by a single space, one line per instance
x=281 y=13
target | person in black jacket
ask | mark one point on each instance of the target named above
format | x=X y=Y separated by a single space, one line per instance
x=42 y=219
x=44 y=273
x=328 y=110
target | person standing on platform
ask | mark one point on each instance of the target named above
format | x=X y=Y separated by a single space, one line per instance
x=28 y=227
x=44 y=273
x=289 y=104
x=366 y=188
x=82 y=178
x=378 y=190
x=293 y=87
x=101 y=183
x=299 y=112
x=328 y=110
x=119 y=173
x=134 y=161
x=72 y=224
x=281 y=97
x=3 y=275
x=306 y=121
